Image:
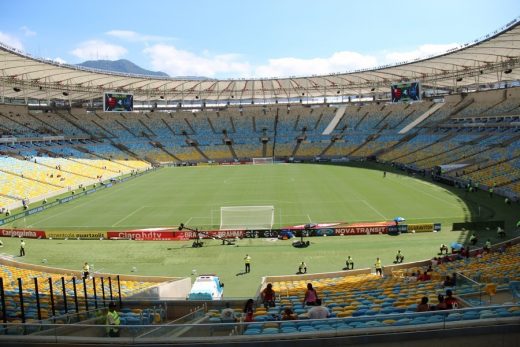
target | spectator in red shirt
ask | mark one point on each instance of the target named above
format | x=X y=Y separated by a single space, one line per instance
x=268 y=296
x=424 y=277
x=451 y=302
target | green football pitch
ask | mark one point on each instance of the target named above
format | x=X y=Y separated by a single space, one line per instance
x=300 y=193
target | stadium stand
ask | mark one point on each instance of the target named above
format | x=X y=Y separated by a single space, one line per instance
x=480 y=133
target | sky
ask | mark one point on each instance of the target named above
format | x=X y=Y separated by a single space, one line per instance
x=244 y=38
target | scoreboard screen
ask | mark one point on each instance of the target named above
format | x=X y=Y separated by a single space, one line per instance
x=410 y=91
x=118 y=102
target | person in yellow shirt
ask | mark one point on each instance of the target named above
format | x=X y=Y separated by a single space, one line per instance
x=379 y=267
x=86 y=270
x=113 y=321
x=247 y=261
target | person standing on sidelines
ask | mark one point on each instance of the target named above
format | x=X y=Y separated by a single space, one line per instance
x=86 y=270
x=247 y=261
x=379 y=267
x=22 y=248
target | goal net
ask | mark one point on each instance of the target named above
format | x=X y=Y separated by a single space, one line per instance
x=246 y=217
x=259 y=161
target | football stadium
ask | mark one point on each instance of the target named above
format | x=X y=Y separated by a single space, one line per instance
x=145 y=210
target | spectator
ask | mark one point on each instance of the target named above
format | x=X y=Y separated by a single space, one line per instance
x=441 y=305
x=248 y=310
x=424 y=276
x=473 y=239
x=288 y=314
x=311 y=296
x=350 y=263
x=454 y=279
x=268 y=296
x=448 y=282
x=302 y=269
x=411 y=278
x=451 y=302
x=379 y=267
x=113 y=321
x=227 y=315
x=318 y=311
x=423 y=305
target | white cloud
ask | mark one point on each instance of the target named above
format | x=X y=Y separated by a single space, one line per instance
x=420 y=52
x=27 y=32
x=94 y=49
x=133 y=36
x=178 y=62
x=11 y=41
x=59 y=60
x=337 y=62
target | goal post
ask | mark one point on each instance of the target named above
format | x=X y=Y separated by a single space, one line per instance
x=265 y=160
x=246 y=217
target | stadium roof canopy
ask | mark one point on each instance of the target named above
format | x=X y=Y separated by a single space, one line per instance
x=482 y=63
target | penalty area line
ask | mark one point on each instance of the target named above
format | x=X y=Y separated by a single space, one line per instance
x=128 y=215
x=374 y=209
